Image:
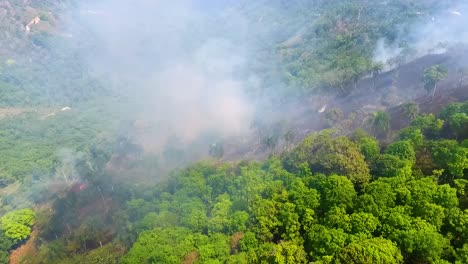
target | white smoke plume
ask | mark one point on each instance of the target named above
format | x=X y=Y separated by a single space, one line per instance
x=181 y=65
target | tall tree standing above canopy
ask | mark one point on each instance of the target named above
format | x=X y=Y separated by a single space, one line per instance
x=330 y=155
x=432 y=76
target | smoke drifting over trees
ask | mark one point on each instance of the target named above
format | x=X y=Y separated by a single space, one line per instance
x=183 y=70
x=233 y=131
x=433 y=32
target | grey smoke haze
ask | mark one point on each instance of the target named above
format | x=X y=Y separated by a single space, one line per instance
x=432 y=34
x=448 y=27
x=385 y=51
x=179 y=62
x=184 y=64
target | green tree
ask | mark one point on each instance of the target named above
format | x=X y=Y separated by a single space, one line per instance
x=219 y=221
x=380 y=124
x=4 y=257
x=337 y=217
x=289 y=218
x=161 y=245
x=412 y=134
x=368 y=145
x=322 y=241
x=457 y=225
x=191 y=213
x=373 y=250
x=249 y=242
x=330 y=155
x=410 y=109
x=462 y=255
x=386 y=165
x=334 y=191
x=289 y=252
x=240 y=258
x=238 y=221
x=446 y=196
x=432 y=76
x=448 y=154
x=17 y=224
x=364 y=223
x=379 y=196
x=456 y=119
x=429 y=125
x=402 y=149
x=52 y=252
x=107 y=254
x=306 y=201
x=213 y=249
x=267 y=223
x=5 y=245
x=420 y=242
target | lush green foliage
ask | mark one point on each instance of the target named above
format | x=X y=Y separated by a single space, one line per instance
x=298 y=46
x=297 y=210
x=433 y=75
x=411 y=110
x=34 y=142
x=17 y=224
x=375 y=250
x=332 y=199
x=5 y=245
x=380 y=124
x=329 y=44
x=326 y=154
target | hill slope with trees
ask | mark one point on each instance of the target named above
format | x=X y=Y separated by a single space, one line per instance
x=331 y=199
x=75 y=177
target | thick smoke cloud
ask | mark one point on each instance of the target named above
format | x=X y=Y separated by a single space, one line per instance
x=180 y=63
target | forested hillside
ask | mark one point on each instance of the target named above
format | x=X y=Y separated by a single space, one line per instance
x=297 y=46
x=332 y=199
x=302 y=131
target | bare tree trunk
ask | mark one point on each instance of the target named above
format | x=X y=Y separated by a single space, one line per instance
x=434 y=91
x=64 y=175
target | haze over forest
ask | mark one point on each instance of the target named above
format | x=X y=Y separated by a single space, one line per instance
x=232 y=131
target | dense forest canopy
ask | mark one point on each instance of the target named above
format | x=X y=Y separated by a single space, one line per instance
x=332 y=199
x=301 y=131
